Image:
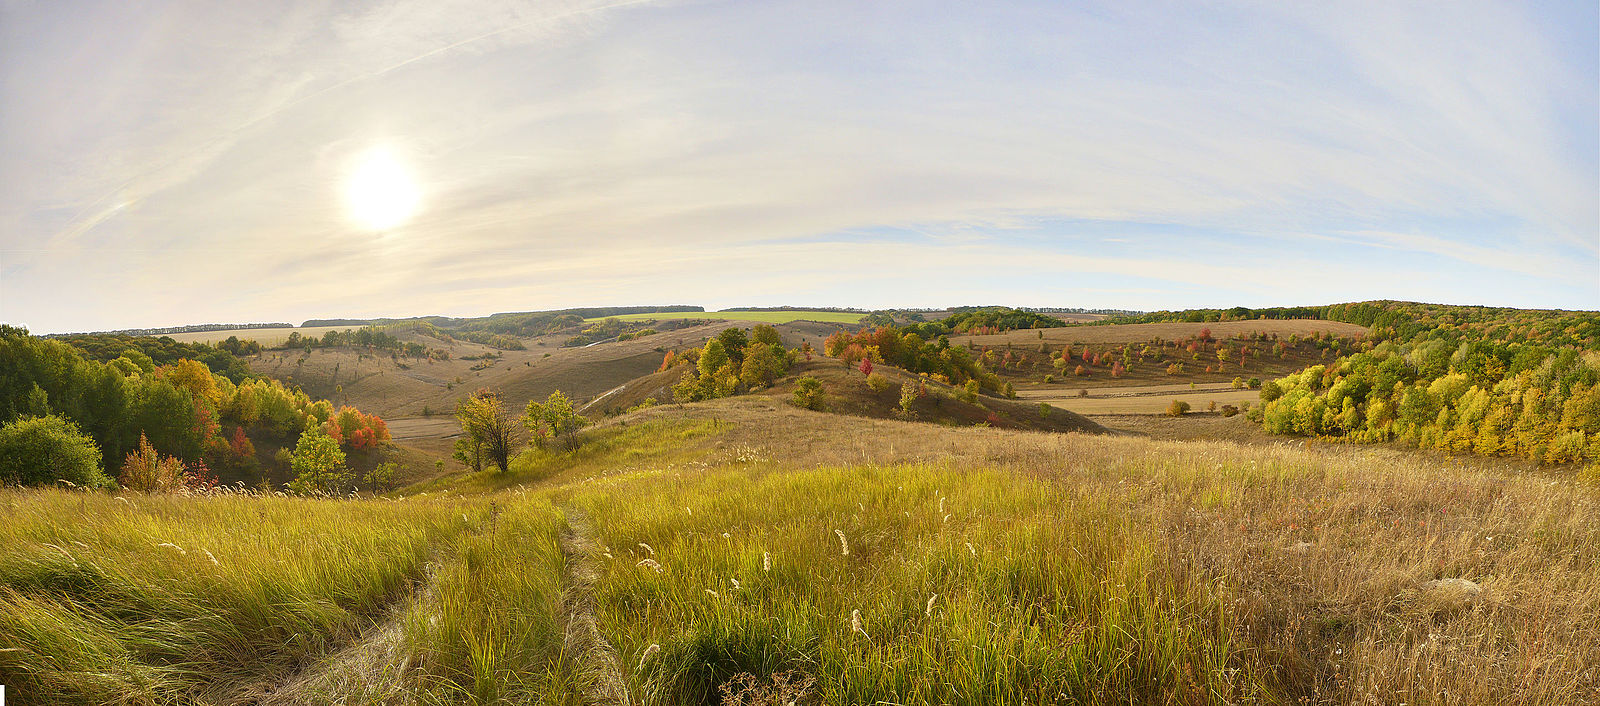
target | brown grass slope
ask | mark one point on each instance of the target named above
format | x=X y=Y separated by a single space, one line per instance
x=846 y=392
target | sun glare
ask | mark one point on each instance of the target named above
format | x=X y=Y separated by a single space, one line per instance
x=380 y=192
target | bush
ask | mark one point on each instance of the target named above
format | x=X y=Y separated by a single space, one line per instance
x=877 y=382
x=147 y=471
x=808 y=393
x=1044 y=410
x=1254 y=383
x=1083 y=392
x=1049 y=379
x=1238 y=383
x=1178 y=408
x=969 y=392
x=43 y=450
x=1229 y=410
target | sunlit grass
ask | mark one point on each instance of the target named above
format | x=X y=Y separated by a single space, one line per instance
x=147 y=599
x=958 y=587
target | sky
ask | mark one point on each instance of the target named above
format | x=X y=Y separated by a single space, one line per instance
x=170 y=163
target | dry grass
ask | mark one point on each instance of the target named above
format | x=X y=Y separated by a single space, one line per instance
x=1321 y=554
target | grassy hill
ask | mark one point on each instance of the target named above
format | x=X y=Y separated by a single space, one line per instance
x=853 y=560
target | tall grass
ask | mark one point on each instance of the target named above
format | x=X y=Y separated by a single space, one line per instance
x=1017 y=591
x=492 y=629
x=152 y=599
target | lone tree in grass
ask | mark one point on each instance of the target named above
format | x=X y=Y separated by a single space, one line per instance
x=487 y=434
x=554 y=421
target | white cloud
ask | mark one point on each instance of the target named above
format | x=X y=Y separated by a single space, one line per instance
x=590 y=146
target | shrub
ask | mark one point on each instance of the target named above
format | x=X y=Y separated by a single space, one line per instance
x=1049 y=379
x=969 y=392
x=1254 y=383
x=1009 y=391
x=1178 y=408
x=1081 y=371
x=908 y=397
x=147 y=471
x=1174 y=368
x=1212 y=407
x=43 y=450
x=877 y=382
x=1229 y=410
x=1044 y=410
x=1238 y=383
x=1083 y=392
x=808 y=393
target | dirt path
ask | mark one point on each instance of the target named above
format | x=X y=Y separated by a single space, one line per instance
x=600 y=671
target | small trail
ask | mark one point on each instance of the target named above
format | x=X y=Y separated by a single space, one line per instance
x=371 y=668
x=600 y=671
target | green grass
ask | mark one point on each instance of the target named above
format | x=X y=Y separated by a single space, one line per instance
x=1037 y=594
x=150 y=599
x=770 y=317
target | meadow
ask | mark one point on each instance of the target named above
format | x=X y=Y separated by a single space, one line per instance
x=665 y=559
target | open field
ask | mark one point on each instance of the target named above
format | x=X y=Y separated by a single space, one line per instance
x=927 y=564
x=764 y=317
x=1146 y=399
x=267 y=337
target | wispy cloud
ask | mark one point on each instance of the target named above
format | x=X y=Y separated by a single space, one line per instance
x=647 y=151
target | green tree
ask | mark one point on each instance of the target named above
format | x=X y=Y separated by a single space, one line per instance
x=485 y=423
x=761 y=365
x=765 y=335
x=318 y=463
x=733 y=340
x=43 y=450
x=555 y=421
x=712 y=357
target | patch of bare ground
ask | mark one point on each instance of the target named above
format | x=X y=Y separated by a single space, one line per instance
x=599 y=670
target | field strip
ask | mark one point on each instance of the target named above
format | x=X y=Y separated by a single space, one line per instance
x=600 y=672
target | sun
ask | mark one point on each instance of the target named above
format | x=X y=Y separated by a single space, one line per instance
x=380 y=192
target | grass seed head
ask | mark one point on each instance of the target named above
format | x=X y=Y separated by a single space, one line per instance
x=650 y=563
x=647 y=548
x=766 y=561
x=855 y=624
x=928 y=611
x=648 y=653
x=844 y=546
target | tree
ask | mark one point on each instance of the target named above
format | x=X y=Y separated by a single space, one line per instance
x=733 y=340
x=713 y=357
x=318 y=463
x=554 y=421
x=765 y=335
x=1178 y=408
x=866 y=366
x=484 y=422
x=808 y=393
x=43 y=450
x=761 y=365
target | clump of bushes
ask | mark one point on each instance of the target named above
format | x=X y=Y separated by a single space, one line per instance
x=43 y=450
x=1178 y=408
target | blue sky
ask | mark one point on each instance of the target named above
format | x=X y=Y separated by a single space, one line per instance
x=166 y=163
